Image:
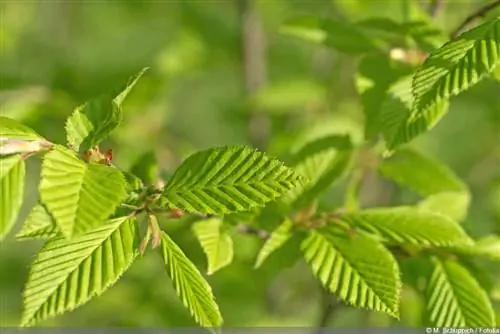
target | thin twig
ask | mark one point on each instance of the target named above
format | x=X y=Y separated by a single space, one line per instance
x=434 y=7
x=254 y=68
x=480 y=13
x=329 y=306
x=250 y=230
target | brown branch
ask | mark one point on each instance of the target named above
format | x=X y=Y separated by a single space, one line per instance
x=254 y=68
x=434 y=7
x=480 y=13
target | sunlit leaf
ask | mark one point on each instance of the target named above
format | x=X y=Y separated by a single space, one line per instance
x=12 y=175
x=455 y=299
x=276 y=240
x=78 y=195
x=216 y=243
x=192 y=289
x=39 y=225
x=408 y=225
x=357 y=269
x=67 y=274
x=228 y=179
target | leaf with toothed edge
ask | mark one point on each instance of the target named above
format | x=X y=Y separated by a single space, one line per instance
x=67 y=274
x=78 y=195
x=192 y=289
x=358 y=269
x=227 y=179
x=455 y=299
x=39 y=225
x=275 y=241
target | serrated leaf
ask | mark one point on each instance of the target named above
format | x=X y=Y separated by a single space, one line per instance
x=448 y=71
x=342 y=36
x=94 y=121
x=321 y=162
x=488 y=247
x=228 y=179
x=397 y=123
x=12 y=176
x=216 y=243
x=146 y=168
x=276 y=240
x=455 y=299
x=358 y=269
x=192 y=289
x=457 y=65
x=409 y=226
x=79 y=196
x=39 y=225
x=120 y=98
x=91 y=123
x=10 y=128
x=67 y=274
x=445 y=192
x=375 y=76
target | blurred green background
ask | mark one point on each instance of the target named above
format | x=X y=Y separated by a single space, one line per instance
x=58 y=54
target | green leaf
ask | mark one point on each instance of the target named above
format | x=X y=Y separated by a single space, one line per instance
x=376 y=74
x=455 y=299
x=132 y=82
x=488 y=247
x=192 y=289
x=396 y=121
x=216 y=243
x=12 y=174
x=322 y=162
x=39 y=225
x=146 y=168
x=277 y=239
x=67 y=274
x=10 y=128
x=342 y=36
x=228 y=179
x=445 y=192
x=358 y=269
x=79 y=196
x=457 y=65
x=91 y=123
x=448 y=71
x=409 y=226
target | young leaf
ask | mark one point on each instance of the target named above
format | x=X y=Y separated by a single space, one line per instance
x=228 y=179
x=411 y=226
x=129 y=86
x=277 y=239
x=457 y=65
x=359 y=269
x=192 y=289
x=12 y=174
x=322 y=162
x=397 y=122
x=376 y=75
x=91 y=123
x=455 y=299
x=10 y=128
x=448 y=195
x=217 y=244
x=78 y=195
x=39 y=225
x=67 y=274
